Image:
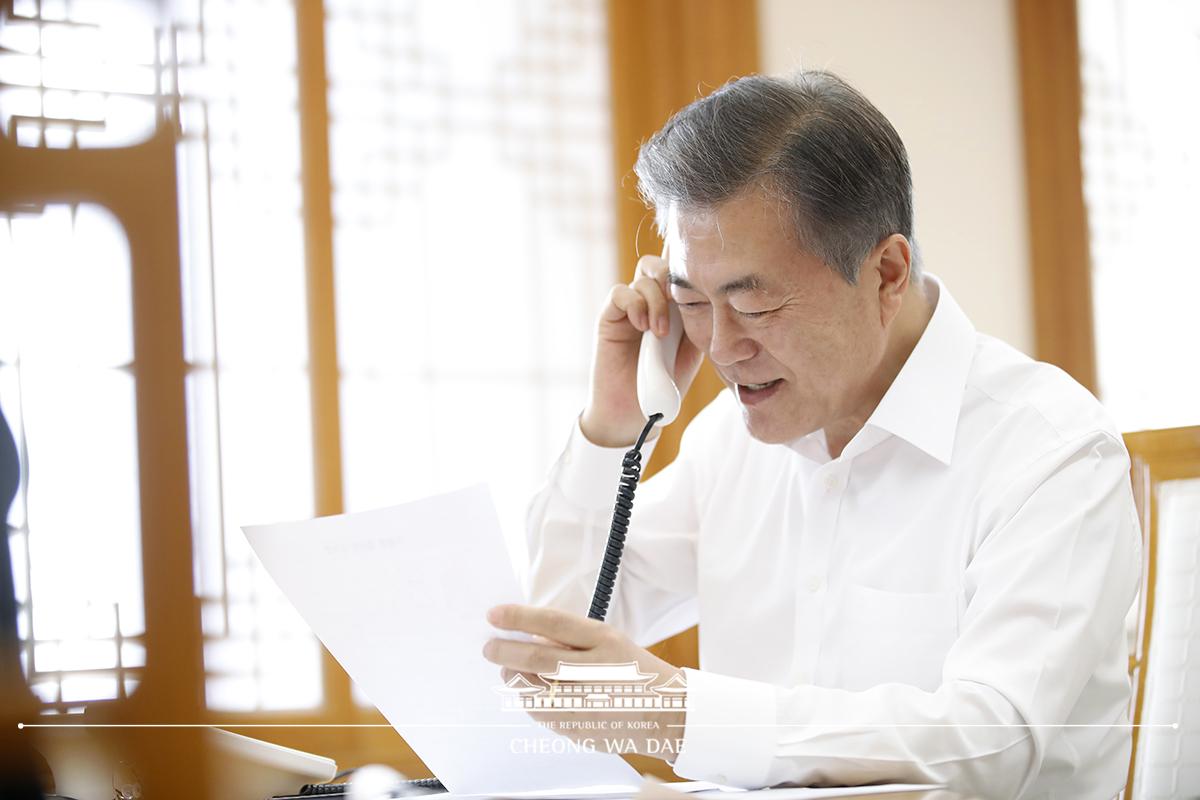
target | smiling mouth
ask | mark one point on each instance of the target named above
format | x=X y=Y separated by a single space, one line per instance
x=750 y=394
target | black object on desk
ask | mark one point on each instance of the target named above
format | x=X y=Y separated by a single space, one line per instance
x=333 y=791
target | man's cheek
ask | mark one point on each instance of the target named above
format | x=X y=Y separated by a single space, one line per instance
x=698 y=333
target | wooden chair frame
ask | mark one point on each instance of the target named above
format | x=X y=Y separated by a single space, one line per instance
x=1155 y=457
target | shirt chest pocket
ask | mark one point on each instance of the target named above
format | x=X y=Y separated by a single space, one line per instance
x=891 y=637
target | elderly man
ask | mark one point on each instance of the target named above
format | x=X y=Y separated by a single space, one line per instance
x=909 y=547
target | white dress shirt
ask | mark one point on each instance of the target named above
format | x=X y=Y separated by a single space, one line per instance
x=943 y=603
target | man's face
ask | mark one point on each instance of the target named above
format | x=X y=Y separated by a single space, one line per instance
x=794 y=341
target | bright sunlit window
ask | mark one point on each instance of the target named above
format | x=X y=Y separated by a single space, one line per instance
x=66 y=386
x=473 y=232
x=82 y=74
x=1141 y=126
x=250 y=427
x=473 y=244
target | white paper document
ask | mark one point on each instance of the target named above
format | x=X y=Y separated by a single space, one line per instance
x=712 y=791
x=803 y=793
x=398 y=596
x=609 y=792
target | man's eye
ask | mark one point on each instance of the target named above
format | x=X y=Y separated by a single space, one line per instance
x=693 y=305
x=754 y=314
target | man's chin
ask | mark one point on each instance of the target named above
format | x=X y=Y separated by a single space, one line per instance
x=768 y=430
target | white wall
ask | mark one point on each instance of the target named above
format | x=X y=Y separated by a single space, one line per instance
x=945 y=74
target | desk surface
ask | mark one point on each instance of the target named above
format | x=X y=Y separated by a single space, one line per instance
x=937 y=794
x=659 y=792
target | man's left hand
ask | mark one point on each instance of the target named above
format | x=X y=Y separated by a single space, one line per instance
x=560 y=636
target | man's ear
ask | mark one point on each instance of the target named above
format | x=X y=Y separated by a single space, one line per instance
x=892 y=262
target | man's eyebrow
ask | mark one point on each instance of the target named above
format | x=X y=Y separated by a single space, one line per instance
x=678 y=280
x=746 y=283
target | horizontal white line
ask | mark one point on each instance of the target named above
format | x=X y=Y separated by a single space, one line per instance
x=22 y=725
x=1174 y=725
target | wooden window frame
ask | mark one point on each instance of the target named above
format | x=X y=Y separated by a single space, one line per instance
x=1051 y=104
x=663 y=53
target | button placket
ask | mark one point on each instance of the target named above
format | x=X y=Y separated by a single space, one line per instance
x=822 y=501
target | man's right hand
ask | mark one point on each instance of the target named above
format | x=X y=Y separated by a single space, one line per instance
x=613 y=417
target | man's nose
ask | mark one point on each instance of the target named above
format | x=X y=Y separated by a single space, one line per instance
x=729 y=343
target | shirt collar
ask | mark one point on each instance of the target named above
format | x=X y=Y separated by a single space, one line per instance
x=923 y=403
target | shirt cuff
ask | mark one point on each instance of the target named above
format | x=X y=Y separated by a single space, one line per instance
x=588 y=474
x=729 y=736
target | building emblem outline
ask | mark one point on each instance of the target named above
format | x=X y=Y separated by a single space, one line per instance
x=588 y=686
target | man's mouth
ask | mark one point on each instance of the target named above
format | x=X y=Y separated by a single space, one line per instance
x=751 y=393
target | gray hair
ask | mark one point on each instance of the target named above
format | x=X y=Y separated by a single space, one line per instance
x=810 y=140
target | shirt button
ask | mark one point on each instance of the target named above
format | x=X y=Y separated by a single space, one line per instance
x=814 y=584
x=833 y=482
x=720 y=778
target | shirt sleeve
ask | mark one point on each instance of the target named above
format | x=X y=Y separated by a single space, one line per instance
x=1046 y=593
x=568 y=525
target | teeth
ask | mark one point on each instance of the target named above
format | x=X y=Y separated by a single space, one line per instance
x=756 y=386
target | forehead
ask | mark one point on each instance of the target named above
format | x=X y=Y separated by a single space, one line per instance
x=749 y=234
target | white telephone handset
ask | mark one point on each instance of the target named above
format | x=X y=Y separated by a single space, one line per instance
x=657 y=392
x=656 y=389
x=659 y=399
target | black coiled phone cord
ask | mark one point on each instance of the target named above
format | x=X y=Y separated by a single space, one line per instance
x=631 y=472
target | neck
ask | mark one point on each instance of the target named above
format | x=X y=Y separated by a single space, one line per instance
x=906 y=330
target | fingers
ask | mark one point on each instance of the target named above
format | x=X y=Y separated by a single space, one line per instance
x=507 y=675
x=656 y=303
x=552 y=623
x=655 y=267
x=643 y=302
x=529 y=657
x=625 y=302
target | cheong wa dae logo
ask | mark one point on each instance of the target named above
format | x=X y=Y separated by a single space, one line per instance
x=593 y=687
